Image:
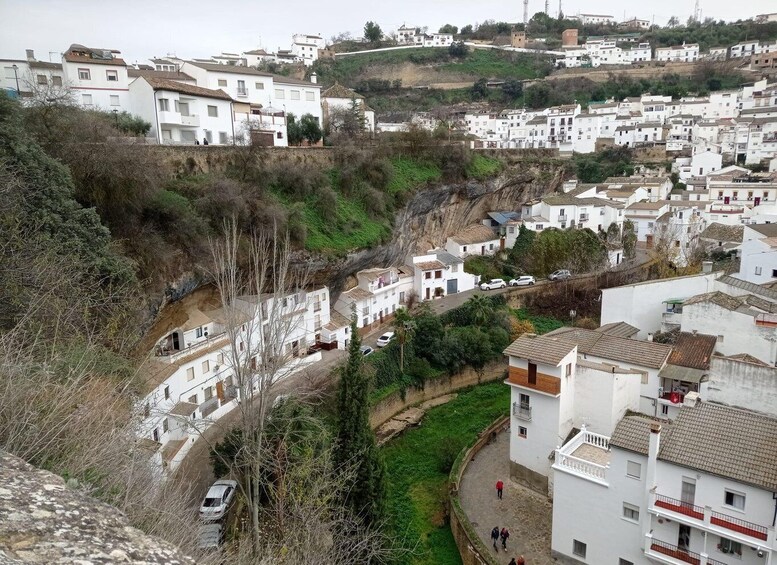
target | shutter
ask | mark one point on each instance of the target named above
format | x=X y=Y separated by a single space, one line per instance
x=220 y=390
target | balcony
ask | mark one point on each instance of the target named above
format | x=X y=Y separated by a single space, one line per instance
x=584 y=217
x=522 y=411
x=586 y=455
x=192 y=121
x=707 y=519
x=200 y=347
x=242 y=92
x=209 y=406
x=674 y=554
x=563 y=217
x=766 y=320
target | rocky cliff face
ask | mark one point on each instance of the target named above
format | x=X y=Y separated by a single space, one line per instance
x=43 y=521
x=434 y=214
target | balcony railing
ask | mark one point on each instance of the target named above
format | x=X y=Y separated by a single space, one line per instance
x=522 y=411
x=242 y=92
x=676 y=552
x=583 y=217
x=230 y=393
x=209 y=406
x=173 y=354
x=582 y=466
x=317 y=306
x=712 y=518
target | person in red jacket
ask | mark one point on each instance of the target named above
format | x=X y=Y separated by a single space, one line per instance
x=499 y=486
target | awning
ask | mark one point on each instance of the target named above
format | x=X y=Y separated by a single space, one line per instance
x=675 y=301
x=183 y=409
x=678 y=373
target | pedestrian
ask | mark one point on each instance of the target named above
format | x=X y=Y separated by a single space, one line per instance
x=499 y=486
x=521 y=561
x=504 y=535
x=495 y=535
x=512 y=562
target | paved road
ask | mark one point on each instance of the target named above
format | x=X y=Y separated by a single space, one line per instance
x=527 y=514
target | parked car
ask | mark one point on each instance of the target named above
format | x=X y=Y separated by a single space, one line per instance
x=366 y=349
x=218 y=499
x=561 y=275
x=384 y=340
x=522 y=281
x=494 y=284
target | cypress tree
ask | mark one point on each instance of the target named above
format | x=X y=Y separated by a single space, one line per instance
x=356 y=440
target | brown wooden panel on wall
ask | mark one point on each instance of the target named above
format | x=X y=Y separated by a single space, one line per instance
x=545 y=383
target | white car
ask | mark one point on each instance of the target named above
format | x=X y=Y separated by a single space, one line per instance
x=217 y=501
x=522 y=281
x=384 y=340
x=366 y=350
x=494 y=284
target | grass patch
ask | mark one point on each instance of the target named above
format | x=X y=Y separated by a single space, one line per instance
x=492 y=63
x=542 y=324
x=418 y=464
x=409 y=174
x=352 y=228
x=482 y=167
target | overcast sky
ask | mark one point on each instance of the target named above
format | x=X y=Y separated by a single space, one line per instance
x=199 y=28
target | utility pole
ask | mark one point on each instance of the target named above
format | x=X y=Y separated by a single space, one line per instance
x=547 y=7
x=559 y=9
x=525 y=14
x=696 y=11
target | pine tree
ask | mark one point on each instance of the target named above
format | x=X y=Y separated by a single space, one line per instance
x=356 y=440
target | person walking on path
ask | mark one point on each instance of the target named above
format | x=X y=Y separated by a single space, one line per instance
x=504 y=535
x=521 y=561
x=512 y=562
x=495 y=535
x=499 y=486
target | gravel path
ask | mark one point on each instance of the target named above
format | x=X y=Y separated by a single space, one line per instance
x=527 y=514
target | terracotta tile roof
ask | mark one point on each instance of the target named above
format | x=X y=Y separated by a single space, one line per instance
x=728 y=442
x=592 y=342
x=646 y=205
x=749 y=287
x=618 y=329
x=80 y=54
x=747 y=358
x=474 y=233
x=152 y=73
x=184 y=409
x=633 y=433
x=718 y=298
x=336 y=321
x=358 y=293
x=429 y=265
x=256 y=52
x=767 y=230
x=45 y=65
x=154 y=373
x=540 y=349
x=722 y=232
x=183 y=88
x=337 y=90
x=234 y=69
x=693 y=350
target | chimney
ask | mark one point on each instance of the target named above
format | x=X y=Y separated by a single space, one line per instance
x=706 y=266
x=314 y=78
x=654 y=444
x=650 y=337
x=30 y=54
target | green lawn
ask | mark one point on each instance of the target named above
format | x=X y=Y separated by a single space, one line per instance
x=483 y=167
x=418 y=464
x=352 y=229
x=410 y=174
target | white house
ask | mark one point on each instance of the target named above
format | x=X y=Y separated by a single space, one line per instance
x=376 y=297
x=181 y=113
x=643 y=215
x=439 y=273
x=745 y=49
x=696 y=490
x=685 y=53
x=189 y=381
x=758 y=254
x=435 y=39
x=595 y=19
x=639 y=53
x=306 y=47
x=475 y=239
x=256 y=57
x=97 y=77
x=339 y=98
x=407 y=34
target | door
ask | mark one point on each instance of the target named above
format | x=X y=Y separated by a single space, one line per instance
x=757 y=200
x=428 y=293
x=649 y=241
x=684 y=537
x=482 y=249
x=688 y=492
x=452 y=286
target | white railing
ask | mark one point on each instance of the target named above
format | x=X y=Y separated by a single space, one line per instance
x=521 y=411
x=581 y=466
x=597 y=440
x=172 y=355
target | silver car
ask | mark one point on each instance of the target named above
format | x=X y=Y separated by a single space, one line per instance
x=217 y=501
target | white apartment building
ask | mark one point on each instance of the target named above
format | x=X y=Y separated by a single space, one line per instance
x=639 y=53
x=685 y=53
x=189 y=380
x=758 y=254
x=97 y=77
x=595 y=19
x=181 y=113
x=696 y=490
x=407 y=34
x=644 y=215
x=256 y=57
x=338 y=97
x=439 y=273
x=376 y=297
x=306 y=47
x=567 y=211
x=745 y=49
x=700 y=164
x=435 y=39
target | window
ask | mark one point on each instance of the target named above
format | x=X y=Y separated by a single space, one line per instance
x=193 y=399
x=156 y=435
x=578 y=548
x=222 y=82
x=41 y=79
x=631 y=512
x=522 y=432
x=735 y=499
x=310 y=96
x=213 y=111
x=209 y=136
x=568 y=370
x=86 y=99
x=147 y=410
x=198 y=332
x=167 y=392
x=730 y=546
x=280 y=94
x=114 y=99
x=164 y=105
x=758 y=271
x=241 y=87
x=774 y=273
x=463 y=248
x=223 y=138
x=220 y=359
x=623 y=561
x=524 y=400
x=664 y=409
x=165 y=426
x=438 y=274
x=295 y=94
x=206 y=366
x=428 y=274
x=84 y=74
x=190 y=374
x=532 y=374
x=56 y=81
x=279 y=135
x=633 y=469
x=112 y=76
x=259 y=85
